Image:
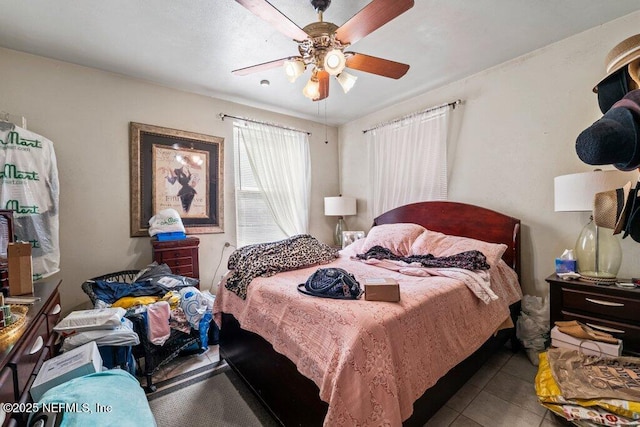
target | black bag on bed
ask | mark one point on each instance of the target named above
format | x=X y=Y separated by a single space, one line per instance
x=331 y=283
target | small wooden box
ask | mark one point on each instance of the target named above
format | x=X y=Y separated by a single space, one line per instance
x=20 y=268
x=381 y=289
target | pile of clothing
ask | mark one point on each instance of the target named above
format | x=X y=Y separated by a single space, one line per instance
x=168 y=302
x=111 y=331
x=589 y=390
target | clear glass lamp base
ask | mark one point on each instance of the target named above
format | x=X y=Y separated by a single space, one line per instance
x=598 y=252
x=337 y=235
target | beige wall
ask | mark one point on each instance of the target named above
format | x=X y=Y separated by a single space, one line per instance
x=86 y=113
x=514 y=133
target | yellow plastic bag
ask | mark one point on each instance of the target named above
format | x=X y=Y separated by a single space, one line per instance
x=550 y=396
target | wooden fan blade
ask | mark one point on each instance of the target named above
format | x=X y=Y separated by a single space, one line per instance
x=375 y=65
x=265 y=10
x=262 y=67
x=370 y=18
x=323 y=80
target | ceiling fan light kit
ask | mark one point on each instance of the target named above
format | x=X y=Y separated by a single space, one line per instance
x=346 y=80
x=294 y=68
x=322 y=45
x=312 y=88
x=334 y=61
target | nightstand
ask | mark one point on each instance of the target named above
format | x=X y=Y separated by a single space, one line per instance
x=180 y=255
x=608 y=308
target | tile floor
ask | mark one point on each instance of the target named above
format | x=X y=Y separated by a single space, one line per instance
x=181 y=365
x=501 y=393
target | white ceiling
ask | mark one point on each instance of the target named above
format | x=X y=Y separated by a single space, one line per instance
x=194 y=45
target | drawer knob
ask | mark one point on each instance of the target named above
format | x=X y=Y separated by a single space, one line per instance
x=37 y=346
x=607 y=303
x=55 y=310
x=606 y=329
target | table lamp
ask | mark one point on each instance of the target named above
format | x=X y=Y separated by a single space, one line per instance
x=339 y=206
x=598 y=251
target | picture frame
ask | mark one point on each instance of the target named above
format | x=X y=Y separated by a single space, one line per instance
x=177 y=169
x=348 y=237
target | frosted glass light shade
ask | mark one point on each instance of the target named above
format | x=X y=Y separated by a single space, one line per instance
x=346 y=80
x=334 y=62
x=312 y=89
x=598 y=252
x=293 y=69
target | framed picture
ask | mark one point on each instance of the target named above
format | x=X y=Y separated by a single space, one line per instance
x=348 y=237
x=176 y=169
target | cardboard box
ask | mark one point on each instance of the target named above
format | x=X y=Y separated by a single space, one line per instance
x=72 y=364
x=381 y=289
x=19 y=268
x=591 y=347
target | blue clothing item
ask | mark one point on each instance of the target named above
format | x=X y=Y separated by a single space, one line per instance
x=118 y=357
x=111 y=292
x=110 y=398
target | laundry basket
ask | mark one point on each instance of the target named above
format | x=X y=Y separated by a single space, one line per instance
x=155 y=356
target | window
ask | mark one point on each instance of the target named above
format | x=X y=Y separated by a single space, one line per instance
x=408 y=160
x=272 y=182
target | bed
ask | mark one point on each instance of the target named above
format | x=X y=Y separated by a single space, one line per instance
x=375 y=362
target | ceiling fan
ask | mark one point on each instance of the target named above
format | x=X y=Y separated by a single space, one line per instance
x=322 y=45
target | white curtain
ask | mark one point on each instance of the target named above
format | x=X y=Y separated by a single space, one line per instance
x=408 y=160
x=281 y=166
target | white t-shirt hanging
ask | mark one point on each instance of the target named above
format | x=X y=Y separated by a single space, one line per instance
x=29 y=187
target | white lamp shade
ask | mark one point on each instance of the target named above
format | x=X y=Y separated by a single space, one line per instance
x=575 y=192
x=339 y=206
x=346 y=80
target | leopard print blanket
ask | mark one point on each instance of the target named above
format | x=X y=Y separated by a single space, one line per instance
x=267 y=259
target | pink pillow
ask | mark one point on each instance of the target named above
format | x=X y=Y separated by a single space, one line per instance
x=398 y=238
x=439 y=244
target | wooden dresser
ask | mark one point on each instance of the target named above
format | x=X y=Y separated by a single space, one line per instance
x=607 y=308
x=21 y=358
x=180 y=255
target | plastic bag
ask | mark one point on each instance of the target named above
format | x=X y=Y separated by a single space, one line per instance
x=122 y=335
x=550 y=396
x=88 y=320
x=194 y=305
x=533 y=325
x=166 y=221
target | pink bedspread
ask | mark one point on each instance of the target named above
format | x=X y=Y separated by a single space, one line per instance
x=372 y=360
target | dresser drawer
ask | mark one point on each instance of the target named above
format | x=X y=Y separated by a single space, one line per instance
x=30 y=352
x=52 y=312
x=185 y=270
x=7 y=391
x=609 y=306
x=175 y=253
x=178 y=262
x=180 y=255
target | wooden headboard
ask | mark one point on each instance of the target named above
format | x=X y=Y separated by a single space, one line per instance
x=460 y=219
